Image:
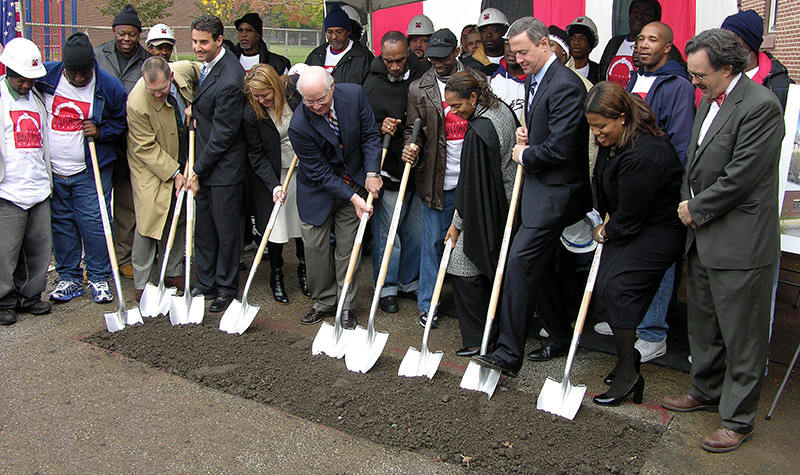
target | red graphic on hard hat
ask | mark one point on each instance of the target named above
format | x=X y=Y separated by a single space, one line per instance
x=68 y=114
x=486 y=16
x=579 y=20
x=163 y=31
x=35 y=63
x=27 y=129
x=419 y=24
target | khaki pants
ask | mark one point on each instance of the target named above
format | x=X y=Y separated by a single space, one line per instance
x=148 y=252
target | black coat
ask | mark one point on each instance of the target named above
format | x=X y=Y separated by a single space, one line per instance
x=281 y=64
x=353 y=67
x=263 y=147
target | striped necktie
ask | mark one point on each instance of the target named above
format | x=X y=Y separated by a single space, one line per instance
x=333 y=122
x=531 y=93
x=203 y=73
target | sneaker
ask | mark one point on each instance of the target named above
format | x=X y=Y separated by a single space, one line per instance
x=100 y=292
x=423 y=319
x=603 y=328
x=651 y=350
x=65 y=291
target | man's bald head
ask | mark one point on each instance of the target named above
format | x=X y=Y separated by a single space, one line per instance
x=662 y=30
x=316 y=86
x=653 y=45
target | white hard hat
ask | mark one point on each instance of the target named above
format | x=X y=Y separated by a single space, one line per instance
x=583 y=24
x=578 y=238
x=352 y=14
x=420 y=25
x=158 y=34
x=297 y=69
x=24 y=57
x=492 y=16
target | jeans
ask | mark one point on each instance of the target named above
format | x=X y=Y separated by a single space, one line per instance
x=76 y=225
x=403 y=270
x=654 y=325
x=435 y=224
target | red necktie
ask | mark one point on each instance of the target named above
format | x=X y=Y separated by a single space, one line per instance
x=719 y=99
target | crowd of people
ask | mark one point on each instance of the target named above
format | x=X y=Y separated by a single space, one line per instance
x=651 y=153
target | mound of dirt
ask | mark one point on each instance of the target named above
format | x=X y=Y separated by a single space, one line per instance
x=434 y=418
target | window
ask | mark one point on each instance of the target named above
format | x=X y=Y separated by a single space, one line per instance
x=796 y=205
x=771 y=8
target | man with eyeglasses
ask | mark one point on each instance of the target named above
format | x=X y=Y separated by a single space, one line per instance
x=336 y=139
x=346 y=60
x=252 y=49
x=158 y=146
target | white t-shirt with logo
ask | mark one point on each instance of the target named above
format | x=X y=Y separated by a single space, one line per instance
x=68 y=108
x=26 y=180
x=621 y=65
x=248 y=62
x=332 y=59
x=495 y=59
x=510 y=90
x=643 y=85
x=454 y=129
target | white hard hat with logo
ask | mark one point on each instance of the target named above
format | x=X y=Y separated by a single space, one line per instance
x=352 y=14
x=492 y=16
x=159 y=34
x=420 y=25
x=24 y=57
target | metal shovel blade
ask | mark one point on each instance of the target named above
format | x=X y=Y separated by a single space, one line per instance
x=133 y=316
x=114 y=322
x=417 y=363
x=166 y=300
x=179 y=310
x=327 y=342
x=478 y=378
x=249 y=313
x=150 y=303
x=559 y=399
x=196 y=309
x=362 y=354
x=229 y=319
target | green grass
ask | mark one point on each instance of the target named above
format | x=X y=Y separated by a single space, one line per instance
x=296 y=54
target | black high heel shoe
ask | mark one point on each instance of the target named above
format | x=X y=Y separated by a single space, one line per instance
x=637 y=363
x=637 y=390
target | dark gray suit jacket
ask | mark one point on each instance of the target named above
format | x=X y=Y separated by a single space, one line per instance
x=734 y=177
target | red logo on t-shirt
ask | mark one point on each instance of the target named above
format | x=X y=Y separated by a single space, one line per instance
x=454 y=126
x=27 y=129
x=620 y=70
x=68 y=114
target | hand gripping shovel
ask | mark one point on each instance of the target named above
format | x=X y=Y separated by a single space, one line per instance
x=239 y=315
x=476 y=377
x=156 y=299
x=115 y=321
x=366 y=346
x=564 y=399
x=188 y=309
x=422 y=362
x=331 y=339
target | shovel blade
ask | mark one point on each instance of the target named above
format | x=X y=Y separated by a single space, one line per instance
x=415 y=363
x=166 y=301
x=363 y=354
x=133 y=316
x=478 y=378
x=246 y=318
x=196 y=310
x=228 y=321
x=114 y=322
x=326 y=341
x=150 y=303
x=178 y=311
x=553 y=399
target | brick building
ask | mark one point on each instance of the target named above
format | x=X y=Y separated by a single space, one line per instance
x=781 y=32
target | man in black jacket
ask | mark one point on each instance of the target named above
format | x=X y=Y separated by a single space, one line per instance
x=345 y=59
x=252 y=50
x=219 y=166
x=386 y=88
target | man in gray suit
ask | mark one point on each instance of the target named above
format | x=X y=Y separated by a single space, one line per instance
x=731 y=209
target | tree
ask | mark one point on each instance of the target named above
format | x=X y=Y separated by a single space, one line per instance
x=150 y=11
x=275 y=13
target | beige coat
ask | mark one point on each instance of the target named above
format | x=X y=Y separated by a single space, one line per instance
x=152 y=148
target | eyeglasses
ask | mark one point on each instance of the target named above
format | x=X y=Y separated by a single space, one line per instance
x=315 y=102
x=698 y=76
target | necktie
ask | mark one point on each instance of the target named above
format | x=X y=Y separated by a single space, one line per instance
x=203 y=73
x=719 y=99
x=183 y=132
x=333 y=122
x=531 y=92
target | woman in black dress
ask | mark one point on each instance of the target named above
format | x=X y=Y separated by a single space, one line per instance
x=637 y=180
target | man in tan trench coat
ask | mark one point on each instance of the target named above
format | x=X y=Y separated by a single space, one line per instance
x=157 y=151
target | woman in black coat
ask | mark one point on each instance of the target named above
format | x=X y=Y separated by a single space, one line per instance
x=637 y=180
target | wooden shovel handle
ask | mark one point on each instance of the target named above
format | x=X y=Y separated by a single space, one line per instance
x=101 y=198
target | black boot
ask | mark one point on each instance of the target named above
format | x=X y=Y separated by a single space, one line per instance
x=301 y=277
x=276 y=284
x=627 y=380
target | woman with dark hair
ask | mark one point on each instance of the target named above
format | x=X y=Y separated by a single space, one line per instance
x=482 y=198
x=637 y=180
x=266 y=125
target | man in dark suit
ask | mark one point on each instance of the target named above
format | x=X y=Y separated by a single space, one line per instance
x=731 y=209
x=556 y=190
x=336 y=141
x=219 y=165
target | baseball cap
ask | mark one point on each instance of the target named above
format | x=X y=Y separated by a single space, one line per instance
x=441 y=44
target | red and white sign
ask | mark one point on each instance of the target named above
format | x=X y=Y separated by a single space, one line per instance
x=27 y=129
x=68 y=114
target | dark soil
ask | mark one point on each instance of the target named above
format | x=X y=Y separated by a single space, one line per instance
x=434 y=418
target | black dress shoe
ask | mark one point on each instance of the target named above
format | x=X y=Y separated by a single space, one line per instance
x=8 y=316
x=349 y=321
x=220 y=304
x=38 y=307
x=276 y=284
x=495 y=363
x=468 y=352
x=301 y=277
x=546 y=353
x=389 y=304
x=637 y=390
x=209 y=295
x=313 y=316
x=637 y=363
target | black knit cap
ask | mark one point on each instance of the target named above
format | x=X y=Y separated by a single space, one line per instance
x=128 y=16
x=77 y=53
x=252 y=19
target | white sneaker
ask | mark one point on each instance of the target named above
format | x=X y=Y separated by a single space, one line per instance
x=651 y=350
x=603 y=328
x=543 y=333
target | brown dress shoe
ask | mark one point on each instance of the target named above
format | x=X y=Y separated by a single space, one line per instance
x=177 y=282
x=686 y=403
x=126 y=271
x=313 y=316
x=724 y=440
x=349 y=321
x=137 y=294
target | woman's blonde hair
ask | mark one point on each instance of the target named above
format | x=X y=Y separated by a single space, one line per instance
x=263 y=76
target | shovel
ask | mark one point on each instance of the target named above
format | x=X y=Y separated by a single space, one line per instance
x=239 y=315
x=564 y=399
x=115 y=321
x=423 y=362
x=188 y=309
x=476 y=377
x=330 y=339
x=366 y=346
x=156 y=299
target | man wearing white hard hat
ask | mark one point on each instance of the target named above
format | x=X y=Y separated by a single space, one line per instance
x=492 y=25
x=419 y=32
x=161 y=41
x=582 y=40
x=25 y=184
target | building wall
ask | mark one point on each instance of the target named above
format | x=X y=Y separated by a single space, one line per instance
x=784 y=43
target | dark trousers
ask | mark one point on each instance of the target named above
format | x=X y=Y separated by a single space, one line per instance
x=529 y=260
x=472 y=301
x=24 y=252
x=728 y=323
x=218 y=239
x=559 y=296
